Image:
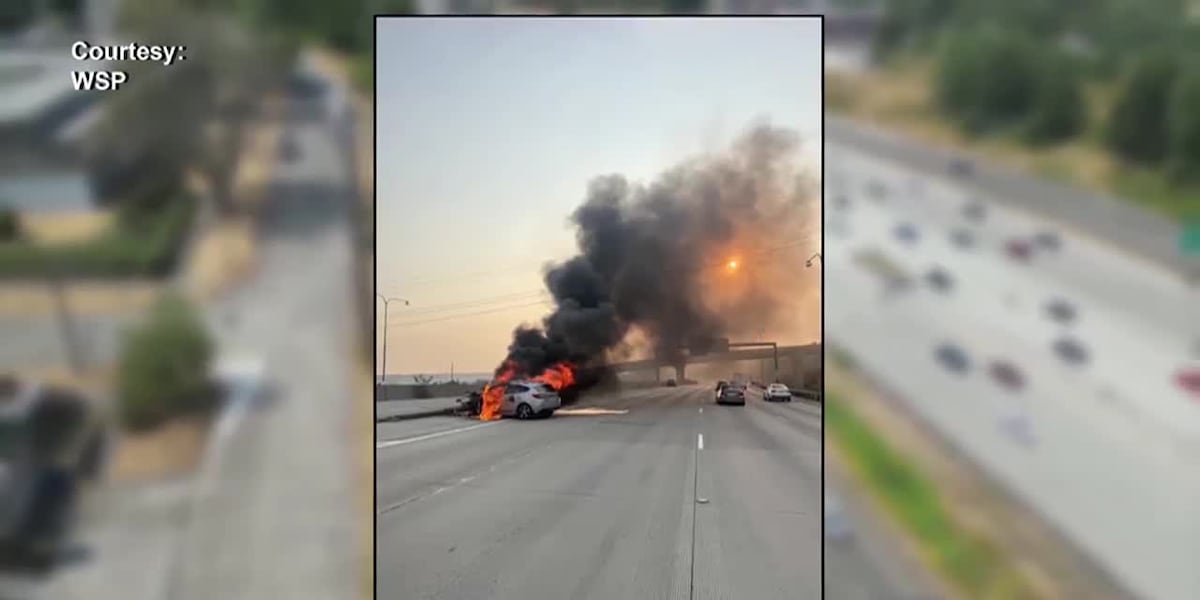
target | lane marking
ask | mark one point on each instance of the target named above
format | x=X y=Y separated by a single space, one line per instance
x=429 y=436
x=701 y=409
x=700 y=441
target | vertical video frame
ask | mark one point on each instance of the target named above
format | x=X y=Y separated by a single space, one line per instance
x=598 y=307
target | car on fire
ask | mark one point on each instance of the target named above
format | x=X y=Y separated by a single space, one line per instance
x=529 y=399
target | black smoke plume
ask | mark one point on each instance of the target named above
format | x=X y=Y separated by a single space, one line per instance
x=651 y=257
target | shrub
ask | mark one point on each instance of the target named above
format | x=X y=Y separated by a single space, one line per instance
x=144 y=247
x=1183 y=119
x=164 y=368
x=10 y=225
x=1059 y=111
x=1137 y=126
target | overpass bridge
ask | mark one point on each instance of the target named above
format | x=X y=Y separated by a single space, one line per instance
x=791 y=364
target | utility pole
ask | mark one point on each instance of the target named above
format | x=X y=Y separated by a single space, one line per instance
x=386 y=302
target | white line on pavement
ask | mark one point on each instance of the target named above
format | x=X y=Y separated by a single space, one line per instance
x=429 y=436
x=700 y=441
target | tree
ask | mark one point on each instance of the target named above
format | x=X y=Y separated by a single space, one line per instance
x=192 y=114
x=1059 y=111
x=164 y=368
x=987 y=77
x=1183 y=119
x=10 y=224
x=1137 y=126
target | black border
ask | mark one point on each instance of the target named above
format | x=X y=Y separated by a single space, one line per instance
x=375 y=18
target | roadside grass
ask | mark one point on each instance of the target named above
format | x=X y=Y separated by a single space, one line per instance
x=900 y=97
x=968 y=562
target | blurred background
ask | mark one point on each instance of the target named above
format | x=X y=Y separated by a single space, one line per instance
x=1013 y=363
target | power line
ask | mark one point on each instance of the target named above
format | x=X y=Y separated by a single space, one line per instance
x=475 y=303
x=473 y=314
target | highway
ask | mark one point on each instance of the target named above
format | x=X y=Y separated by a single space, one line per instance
x=1107 y=450
x=650 y=493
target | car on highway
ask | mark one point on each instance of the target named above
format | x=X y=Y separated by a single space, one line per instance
x=939 y=279
x=1071 y=350
x=1007 y=375
x=877 y=190
x=732 y=393
x=1060 y=310
x=961 y=167
x=672 y=383
x=975 y=211
x=529 y=399
x=1047 y=240
x=289 y=149
x=953 y=357
x=777 y=392
x=962 y=238
x=837 y=526
x=1188 y=380
x=1018 y=249
x=906 y=232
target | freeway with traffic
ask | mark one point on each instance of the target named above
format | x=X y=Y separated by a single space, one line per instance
x=1083 y=413
x=649 y=493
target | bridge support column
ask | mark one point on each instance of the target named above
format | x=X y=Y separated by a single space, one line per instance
x=679 y=372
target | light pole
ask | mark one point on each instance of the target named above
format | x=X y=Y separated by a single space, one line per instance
x=386 y=301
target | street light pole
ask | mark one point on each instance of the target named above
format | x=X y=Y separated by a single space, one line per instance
x=386 y=301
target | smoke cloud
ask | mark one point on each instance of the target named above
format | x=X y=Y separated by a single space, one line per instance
x=714 y=247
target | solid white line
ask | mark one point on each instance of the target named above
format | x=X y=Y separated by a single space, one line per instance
x=700 y=441
x=429 y=436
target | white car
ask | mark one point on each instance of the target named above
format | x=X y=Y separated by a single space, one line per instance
x=777 y=392
x=528 y=399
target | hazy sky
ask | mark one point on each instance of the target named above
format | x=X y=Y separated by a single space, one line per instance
x=490 y=129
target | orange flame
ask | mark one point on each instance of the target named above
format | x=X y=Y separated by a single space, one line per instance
x=557 y=376
x=493 y=393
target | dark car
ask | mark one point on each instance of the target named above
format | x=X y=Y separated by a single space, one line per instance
x=906 y=232
x=1007 y=375
x=975 y=211
x=1071 y=350
x=289 y=150
x=1019 y=250
x=939 y=279
x=52 y=441
x=1047 y=240
x=961 y=167
x=1061 y=311
x=962 y=238
x=953 y=357
x=877 y=189
x=732 y=394
x=672 y=383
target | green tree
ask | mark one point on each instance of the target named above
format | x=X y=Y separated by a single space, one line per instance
x=987 y=77
x=164 y=368
x=1137 y=125
x=1183 y=119
x=10 y=224
x=1059 y=110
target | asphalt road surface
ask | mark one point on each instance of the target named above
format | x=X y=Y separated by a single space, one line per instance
x=657 y=493
x=1106 y=449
